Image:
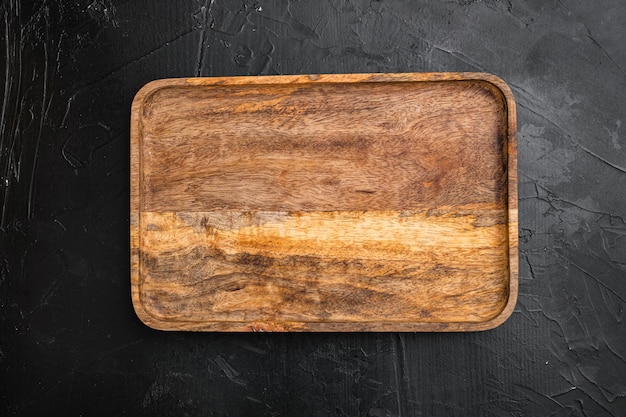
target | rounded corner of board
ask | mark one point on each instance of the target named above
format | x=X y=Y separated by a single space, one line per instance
x=152 y=87
x=144 y=317
x=495 y=80
x=502 y=316
x=499 y=84
x=147 y=318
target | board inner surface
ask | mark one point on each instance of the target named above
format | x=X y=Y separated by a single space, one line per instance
x=323 y=203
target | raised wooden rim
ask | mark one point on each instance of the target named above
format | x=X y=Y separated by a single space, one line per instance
x=135 y=197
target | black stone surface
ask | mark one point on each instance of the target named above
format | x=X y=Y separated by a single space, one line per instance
x=70 y=343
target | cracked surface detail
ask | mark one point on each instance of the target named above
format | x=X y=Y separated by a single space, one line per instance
x=70 y=343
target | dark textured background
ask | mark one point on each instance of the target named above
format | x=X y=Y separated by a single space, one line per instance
x=70 y=341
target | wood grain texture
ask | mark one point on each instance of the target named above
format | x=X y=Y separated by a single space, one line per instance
x=362 y=202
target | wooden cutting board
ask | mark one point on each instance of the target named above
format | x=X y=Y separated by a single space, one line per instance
x=361 y=202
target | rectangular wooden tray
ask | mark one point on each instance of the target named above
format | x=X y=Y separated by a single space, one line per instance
x=361 y=202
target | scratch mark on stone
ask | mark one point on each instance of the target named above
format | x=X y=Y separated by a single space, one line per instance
x=598 y=157
x=617 y=355
x=614 y=134
x=70 y=100
x=7 y=73
x=230 y=372
x=604 y=51
x=461 y=57
x=127 y=345
x=42 y=117
x=575 y=142
x=103 y=12
x=142 y=56
x=204 y=12
x=596 y=385
x=569 y=261
x=530 y=266
x=44 y=300
x=535 y=112
x=582 y=323
x=30 y=25
x=8 y=82
x=526 y=24
x=534 y=392
x=399 y=361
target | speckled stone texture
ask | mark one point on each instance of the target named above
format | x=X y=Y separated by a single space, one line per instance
x=70 y=343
